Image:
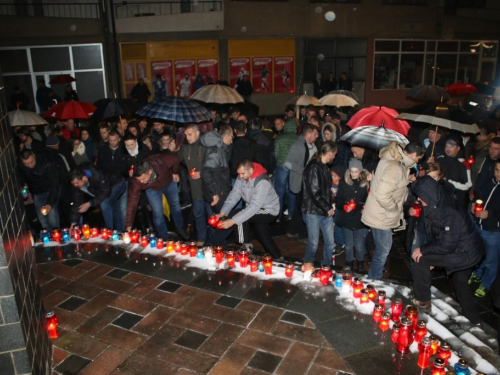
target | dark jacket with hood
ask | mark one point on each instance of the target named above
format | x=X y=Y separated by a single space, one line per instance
x=356 y=190
x=244 y=147
x=215 y=170
x=266 y=149
x=450 y=231
x=316 y=187
x=489 y=193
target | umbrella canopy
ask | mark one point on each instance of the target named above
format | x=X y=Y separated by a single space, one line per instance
x=485 y=88
x=379 y=115
x=338 y=100
x=72 y=109
x=62 y=78
x=428 y=93
x=175 y=109
x=458 y=89
x=22 y=118
x=218 y=94
x=373 y=137
x=108 y=108
x=304 y=100
x=346 y=93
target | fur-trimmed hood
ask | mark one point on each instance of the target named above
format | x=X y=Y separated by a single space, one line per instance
x=332 y=128
x=362 y=176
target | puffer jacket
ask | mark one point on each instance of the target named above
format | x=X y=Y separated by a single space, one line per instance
x=317 y=182
x=357 y=190
x=285 y=141
x=449 y=229
x=215 y=168
x=489 y=193
x=384 y=206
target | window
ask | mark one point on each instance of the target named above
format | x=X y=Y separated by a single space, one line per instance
x=411 y=70
x=386 y=71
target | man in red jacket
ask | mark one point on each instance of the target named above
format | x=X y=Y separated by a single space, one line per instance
x=157 y=175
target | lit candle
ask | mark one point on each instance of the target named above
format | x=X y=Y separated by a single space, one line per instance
x=434 y=344
x=159 y=243
x=346 y=284
x=52 y=323
x=438 y=367
x=56 y=235
x=144 y=241
x=177 y=246
x=254 y=264
x=77 y=234
x=231 y=259
x=115 y=236
x=95 y=232
x=470 y=160
x=152 y=240
x=372 y=293
x=219 y=254
x=200 y=254
x=104 y=234
x=44 y=235
x=261 y=267
x=220 y=223
x=462 y=367
x=44 y=211
x=208 y=252
x=170 y=247
x=184 y=249
x=126 y=237
x=395 y=333
x=396 y=309
x=243 y=258
x=324 y=275
x=267 y=260
x=193 y=249
x=425 y=352
x=478 y=207
x=412 y=313
x=364 y=296
x=381 y=298
x=357 y=286
x=420 y=331
x=134 y=236
x=444 y=352
x=213 y=220
x=24 y=191
x=384 y=321
x=86 y=231
x=352 y=204
x=307 y=266
x=405 y=338
x=65 y=235
x=192 y=172
x=377 y=312
x=289 y=270
x=418 y=209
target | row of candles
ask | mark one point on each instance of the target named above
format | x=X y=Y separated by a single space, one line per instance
x=417 y=207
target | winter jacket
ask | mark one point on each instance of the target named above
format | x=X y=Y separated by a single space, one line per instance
x=356 y=190
x=90 y=149
x=489 y=193
x=266 y=149
x=383 y=208
x=332 y=128
x=61 y=163
x=244 y=147
x=215 y=168
x=100 y=184
x=486 y=172
x=41 y=179
x=317 y=182
x=113 y=160
x=192 y=155
x=457 y=173
x=295 y=162
x=450 y=231
x=144 y=153
x=284 y=142
x=165 y=166
x=257 y=193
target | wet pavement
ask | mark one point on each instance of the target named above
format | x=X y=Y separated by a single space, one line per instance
x=148 y=315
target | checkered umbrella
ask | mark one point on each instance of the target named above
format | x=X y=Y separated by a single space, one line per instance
x=175 y=109
x=373 y=137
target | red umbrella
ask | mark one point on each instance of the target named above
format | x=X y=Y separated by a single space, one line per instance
x=458 y=89
x=378 y=115
x=72 y=109
x=62 y=78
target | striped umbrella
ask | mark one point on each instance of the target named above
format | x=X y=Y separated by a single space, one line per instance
x=373 y=137
x=175 y=109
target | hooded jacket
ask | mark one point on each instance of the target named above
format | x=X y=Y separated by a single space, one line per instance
x=215 y=168
x=244 y=147
x=357 y=190
x=265 y=146
x=257 y=193
x=489 y=193
x=449 y=229
x=285 y=141
x=384 y=206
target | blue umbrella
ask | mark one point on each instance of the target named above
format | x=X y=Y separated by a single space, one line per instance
x=175 y=109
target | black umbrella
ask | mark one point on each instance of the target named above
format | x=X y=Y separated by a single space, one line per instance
x=485 y=88
x=428 y=93
x=109 y=108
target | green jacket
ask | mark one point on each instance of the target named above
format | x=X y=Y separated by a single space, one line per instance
x=284 y=142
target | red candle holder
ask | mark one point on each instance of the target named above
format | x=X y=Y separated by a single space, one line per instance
x=110 y=232
x=104 y=234
x=243 y=258
x=254 y=264
x=325 y=273
x=159 y=243
x=418 y=209
x=372 y=293
x=438 y=367
x=444 y=352
x=351 y=205
x=76 y=233
x=192 y=172
x=134 y=236
x=52 y=323
x=405 y=337
x=131 y=171
x=425 y=353
x=377 y=312
x=144 y=241
x=231 y=258
x=289 y=270
x=86 y=231
x=470 y=160
x=434 y=344
x=56 y=235
x=94 y=233
x=478 y=207
x=395 y=332
x=384 y=321
x=396 y=309
x=220 y=223
x=357 y=286
x=364 y=296
x=213 y=220
x=267 y=260
x=412 y=313
x=193 y=249
x=381 y=298
x=184 y=249
x=420 y=331
x=219 y=254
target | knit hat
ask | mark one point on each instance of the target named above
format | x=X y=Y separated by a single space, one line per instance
x=355 y=163
x=52 y=141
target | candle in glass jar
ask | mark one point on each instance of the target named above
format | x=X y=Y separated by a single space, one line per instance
x=56 y=235
x=412 y=313
x=104 y=233
x=346 y=284
x=478 y=207
x=381 y=298
x=243 y=258
x=470 y=160
x=126 y=237
x=208 y=252
x=200 y=254
x=77 y=234
x=219 y=254
x=377 y=312
x=231 y=259
x=289 y=270
x=462 y=367
x=267 y=260
x=405 y=338
x=384 y=321
x=364 y=296
x=425 y=352
x=434 y=344
x=94 y=232
x=324 y=275
x=192 y=249
x=444 y=352
x=52 y=323
x=438 y=367
x=177 y=246
x=261 y=267
x=254 y=264
x=417 y=207
x=338 y=280
x=357 y=286
x=159 y=244
x=372 y=293
x=134 y=236
x=396 y=309
x=115 y=236
x=395 y=333
x=184 y=249
x=86 y=231
x=44 y=235
x=152 y=240
x=420 y=331
x=170 y=247
x=144 y=241
x=65 y=235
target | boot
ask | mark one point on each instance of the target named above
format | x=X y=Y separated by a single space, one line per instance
x=361 y=266
x=349 y=264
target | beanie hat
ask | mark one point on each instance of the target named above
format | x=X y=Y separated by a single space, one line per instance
x=355 y=163
x=52 y=141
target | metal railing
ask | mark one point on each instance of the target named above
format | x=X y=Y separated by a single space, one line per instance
x=160 y=8
x=67 y=10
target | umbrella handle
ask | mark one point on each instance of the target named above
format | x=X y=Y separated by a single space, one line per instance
x=434 y=144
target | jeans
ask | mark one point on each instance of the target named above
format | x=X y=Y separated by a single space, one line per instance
x=418 y=240
x=383 y=244
x=51 y=220
x=338 y=233
x=355 y=238
x=281 y=177
x=114 y=208
x=156 y=202
x=487 y=270
x=422 y=280
x=201 y=212
x=314 y=224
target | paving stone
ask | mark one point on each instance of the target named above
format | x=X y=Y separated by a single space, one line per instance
x=81 y=290
x=264 y=342
x=107 y=362
x=234 y=361
x=98 y=303
x=132 y=304
x=166 y=299
x=127 y=320
x=58 y=355
x=248 y=306
x=267 y=318
x=72 y=365
x=55 y=298
x=154 y=320
x=191 y=340
x=155 y=347
x=228 y=301
x=99 y=320
x=117 y=274
x=82 y=345
x=144 y=287
x=189 y=359
x=94 y=274
x=294 y=318
x=121 y=337
x=168 y=286
x=72 y=303
x=203 y=301
x=69 y=320
x=298 y=333
x=113 y=285
x=265 y=361
x=134 y=278
x=297 y=360
x=228 y=315
x=140 y=365
x=195 y=322
x=66 y=272
x=330 y=359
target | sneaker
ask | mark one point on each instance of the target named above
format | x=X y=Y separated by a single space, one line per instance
x=303 y=240
x=292 y=235
x=425 y=306
x=182 y=233
x=481 y=291
x=474 y=279
x=339 y=249
x=248 y=247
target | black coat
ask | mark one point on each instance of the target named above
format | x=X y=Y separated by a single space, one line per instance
x=113 y=160
x=266 y=148
x=449 y=229
x=489 y=193
x=244 y=147
x=316 y=189
x=356 y=190
x=41 y=179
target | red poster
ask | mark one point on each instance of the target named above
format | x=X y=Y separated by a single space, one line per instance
x=185 y=74
x=262 y=75
x=164 y=69
x=238 y=67
x=129 y=72
x=141 y=70
x=209 y=70
x=283 y=74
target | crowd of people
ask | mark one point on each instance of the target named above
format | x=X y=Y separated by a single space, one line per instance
x=293 y=169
